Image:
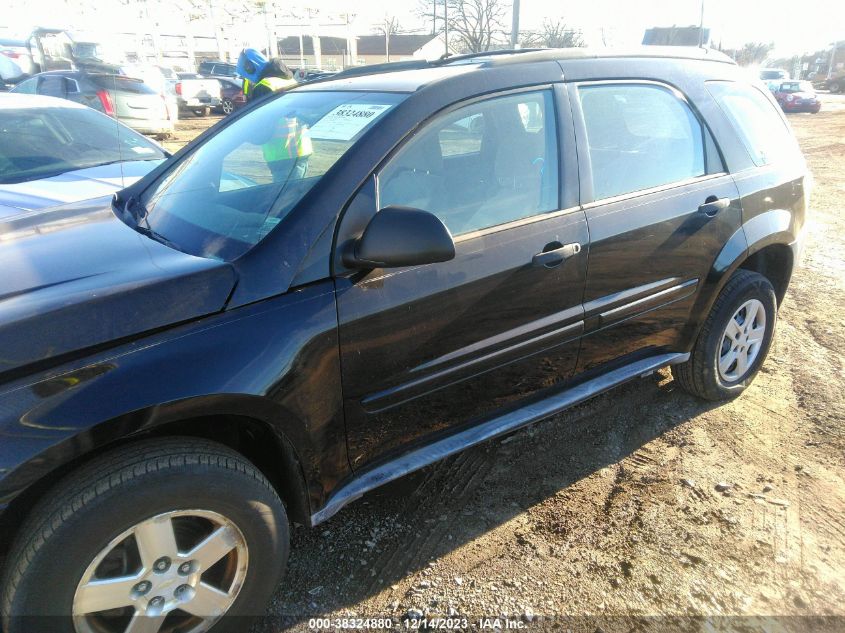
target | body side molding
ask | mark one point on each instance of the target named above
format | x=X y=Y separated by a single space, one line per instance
x=509 y=421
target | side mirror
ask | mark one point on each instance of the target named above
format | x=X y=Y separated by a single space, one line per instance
x=401 y=236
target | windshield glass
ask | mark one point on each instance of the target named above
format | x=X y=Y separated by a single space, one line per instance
x=42 y=142
x=232 y=190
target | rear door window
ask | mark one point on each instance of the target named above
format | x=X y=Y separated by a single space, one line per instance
x=640 y=136
x=757 y=120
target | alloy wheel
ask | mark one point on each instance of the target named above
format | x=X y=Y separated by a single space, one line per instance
x=228 y=106
x=742 y=341
x=177 y=571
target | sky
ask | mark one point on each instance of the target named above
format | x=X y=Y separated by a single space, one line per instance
x=794 y=27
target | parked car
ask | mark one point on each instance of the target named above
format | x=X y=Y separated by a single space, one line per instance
x=15 y=61
x=125 y=98
x=232 y=95
x=197 y=94
x=778 y=74
x=156 y=79
x=55 y=151
x=217 y=69
x=797 y=96
x=325 y=293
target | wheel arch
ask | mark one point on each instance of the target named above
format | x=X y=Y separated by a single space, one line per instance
x=775 y=262
x=764 y=245
x=257 y=439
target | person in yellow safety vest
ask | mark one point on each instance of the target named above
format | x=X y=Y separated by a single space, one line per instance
x=288 y=151
x=262 y=76
x=267 y=86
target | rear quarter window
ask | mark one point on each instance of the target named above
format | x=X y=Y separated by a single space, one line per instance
x=757 y=121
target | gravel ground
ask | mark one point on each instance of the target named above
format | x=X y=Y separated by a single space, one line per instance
x=642 y=502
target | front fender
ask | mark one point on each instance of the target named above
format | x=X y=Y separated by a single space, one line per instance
x=275 y=362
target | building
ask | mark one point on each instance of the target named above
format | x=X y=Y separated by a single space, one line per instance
x=336 y=53
x=677 y=36
x=376 y=49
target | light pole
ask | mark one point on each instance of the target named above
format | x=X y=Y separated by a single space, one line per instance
x=446 y=25
x=701 y=26
x=515 y=24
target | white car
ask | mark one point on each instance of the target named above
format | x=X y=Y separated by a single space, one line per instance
x=15 y=60
x=54 y=151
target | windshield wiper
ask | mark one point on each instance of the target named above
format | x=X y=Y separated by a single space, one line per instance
x=158 y=237
x=138 y=212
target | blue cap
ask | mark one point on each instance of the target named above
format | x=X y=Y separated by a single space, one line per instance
x=250 y=64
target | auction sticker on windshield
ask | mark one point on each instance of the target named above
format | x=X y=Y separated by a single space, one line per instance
x=346 y=120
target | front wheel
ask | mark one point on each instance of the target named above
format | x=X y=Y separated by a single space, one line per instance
x=163 y=536
x=835 y=86
x=734 y=341
x=202 y=111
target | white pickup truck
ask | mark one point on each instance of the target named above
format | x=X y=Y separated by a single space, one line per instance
x=196 y=93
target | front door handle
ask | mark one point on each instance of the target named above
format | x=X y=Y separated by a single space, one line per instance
x=554 y=254
x=712 y=205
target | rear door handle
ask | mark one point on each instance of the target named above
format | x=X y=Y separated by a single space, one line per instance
x=554 y=254
x=712 y=205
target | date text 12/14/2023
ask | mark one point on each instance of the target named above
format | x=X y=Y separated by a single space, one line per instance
x=417 y=623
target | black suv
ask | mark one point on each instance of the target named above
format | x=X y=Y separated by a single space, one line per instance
x=346 y=282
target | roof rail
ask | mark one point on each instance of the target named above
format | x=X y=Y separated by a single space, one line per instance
x=375 y=69
x=392 y=67
x=448 y=58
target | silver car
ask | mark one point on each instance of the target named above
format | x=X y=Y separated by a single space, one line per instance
x=127 y=99
x=54 y=151
x=15 y=60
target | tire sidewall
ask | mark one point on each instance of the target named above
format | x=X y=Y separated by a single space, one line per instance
x=758 y=288
x=58 y=565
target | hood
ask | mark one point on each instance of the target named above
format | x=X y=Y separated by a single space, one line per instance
x=72 y=186
x=76 y=276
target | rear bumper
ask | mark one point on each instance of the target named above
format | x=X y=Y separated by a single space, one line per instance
x=798 y=247
x=187 y=104
x=150 y=126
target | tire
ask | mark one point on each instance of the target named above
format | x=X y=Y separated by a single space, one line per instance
x=701 y=375
x=202 y=111
x=227 y=106
x=834 y=86
x=58 y=545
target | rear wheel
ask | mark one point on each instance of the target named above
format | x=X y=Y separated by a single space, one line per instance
x=835 y=86
x=202 y=111
x=227 y=106
x=734 y=341
x=163 y=536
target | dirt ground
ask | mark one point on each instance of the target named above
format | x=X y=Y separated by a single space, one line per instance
x=641 y=502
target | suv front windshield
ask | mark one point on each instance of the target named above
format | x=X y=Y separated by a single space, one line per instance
x=231 y=191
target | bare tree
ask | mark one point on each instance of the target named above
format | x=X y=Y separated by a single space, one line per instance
x=388 y=27
x=750 y=53
x=473 y=25
x=553 y=34
x=476 y=24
